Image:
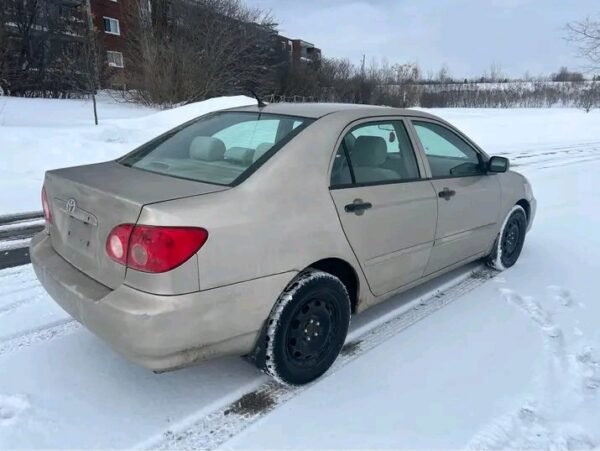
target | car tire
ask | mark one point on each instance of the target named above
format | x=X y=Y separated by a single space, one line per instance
x=509 y=242
x=306 y=329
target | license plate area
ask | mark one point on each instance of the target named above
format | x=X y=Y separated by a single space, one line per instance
x=78 y=229
x=79 y=235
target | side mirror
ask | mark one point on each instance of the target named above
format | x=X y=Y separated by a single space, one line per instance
x=498 y=164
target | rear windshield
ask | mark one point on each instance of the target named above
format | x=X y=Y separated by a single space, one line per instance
x=222 y=148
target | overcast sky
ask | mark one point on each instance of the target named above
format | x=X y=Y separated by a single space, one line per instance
x=467 y=35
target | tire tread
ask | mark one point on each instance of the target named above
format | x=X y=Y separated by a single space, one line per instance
x=267 y=363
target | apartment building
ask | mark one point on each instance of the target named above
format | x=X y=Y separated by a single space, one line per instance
x=305 y=52
x=110 y=21
x=63 y=24
x=299 y=51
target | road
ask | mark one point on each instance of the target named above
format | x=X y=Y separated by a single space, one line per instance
x=15 y=233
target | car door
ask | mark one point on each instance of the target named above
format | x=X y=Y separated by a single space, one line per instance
x=386 y=207
x=468 y=198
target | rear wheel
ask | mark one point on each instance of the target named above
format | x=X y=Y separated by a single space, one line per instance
x=509 y=243
x=306 y=328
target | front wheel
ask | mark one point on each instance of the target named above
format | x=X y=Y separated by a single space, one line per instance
x=306 y=328
x=509 y=243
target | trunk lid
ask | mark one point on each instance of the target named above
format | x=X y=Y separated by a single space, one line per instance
x=87 y=202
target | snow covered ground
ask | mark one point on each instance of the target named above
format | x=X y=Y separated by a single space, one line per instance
x=40 y=134
x=475 y=359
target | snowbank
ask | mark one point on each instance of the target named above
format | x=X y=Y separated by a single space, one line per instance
x=40 y=134
x=165 y=120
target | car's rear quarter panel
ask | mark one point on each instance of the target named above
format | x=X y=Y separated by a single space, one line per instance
x=280 y=219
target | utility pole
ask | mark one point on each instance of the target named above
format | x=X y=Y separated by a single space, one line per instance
x=92 y=58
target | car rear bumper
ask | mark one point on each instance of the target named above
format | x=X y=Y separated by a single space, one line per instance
x=160 y=332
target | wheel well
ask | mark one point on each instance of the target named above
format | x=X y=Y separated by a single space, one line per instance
x=525 y=204
x=343 y=271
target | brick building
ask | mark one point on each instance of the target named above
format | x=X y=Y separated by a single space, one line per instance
x=109 y=20
x=66 y=24
x=305 y=52
x=299 y=51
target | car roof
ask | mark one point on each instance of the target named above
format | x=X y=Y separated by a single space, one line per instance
x=318 y=110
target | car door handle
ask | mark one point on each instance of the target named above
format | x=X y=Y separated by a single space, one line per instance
x=447 y=193
x=358 y=207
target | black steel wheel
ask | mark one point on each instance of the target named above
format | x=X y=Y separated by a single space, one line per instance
x=509 y=244
x=306 y=329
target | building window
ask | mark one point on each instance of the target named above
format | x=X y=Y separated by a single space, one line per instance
x=115 y=59
x=111 y=26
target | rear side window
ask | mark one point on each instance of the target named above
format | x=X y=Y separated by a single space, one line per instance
x=221 y=148
x=378 y=152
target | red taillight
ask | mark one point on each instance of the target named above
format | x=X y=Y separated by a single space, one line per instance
x=118 y=242
x=152 y=248
x=46 y=206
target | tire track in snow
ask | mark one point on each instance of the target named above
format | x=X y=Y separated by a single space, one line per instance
x=212 y=430
x=38 y=335
x=547 y=149
x=546 y=158
x=20 y=288
x=10 y=307
x=558 y=164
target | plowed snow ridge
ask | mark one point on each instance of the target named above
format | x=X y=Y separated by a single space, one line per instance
x=214 y=429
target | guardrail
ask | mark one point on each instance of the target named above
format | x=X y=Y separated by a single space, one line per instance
x=15 y=233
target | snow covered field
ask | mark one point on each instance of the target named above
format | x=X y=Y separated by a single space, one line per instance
x=475 y=359
x=40 y=134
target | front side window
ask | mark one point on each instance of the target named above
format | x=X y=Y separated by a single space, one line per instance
x=219 y=148
x=379 y=152
x=448 y=154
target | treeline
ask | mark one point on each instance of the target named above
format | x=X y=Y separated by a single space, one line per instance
x=403 y=85
x=515 y=94
x=179 y=51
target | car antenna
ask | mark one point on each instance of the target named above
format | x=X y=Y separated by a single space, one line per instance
x=261 y=104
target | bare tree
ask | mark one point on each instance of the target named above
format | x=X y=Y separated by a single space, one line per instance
x=38 y=40
x=443 y=75
x=585 y=35
x=590 y=97
x=185 y=51
x=496 y=73
x=89 y=58
x=3 y=50
x=564 y=74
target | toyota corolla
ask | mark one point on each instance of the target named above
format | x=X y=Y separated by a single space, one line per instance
x=260 y=230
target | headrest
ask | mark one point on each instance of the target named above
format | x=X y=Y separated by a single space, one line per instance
x=369 y=151
x=261 y=149
x=207 y=149
x=240 y=155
